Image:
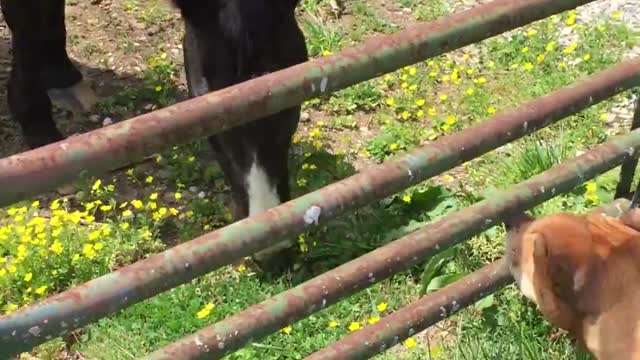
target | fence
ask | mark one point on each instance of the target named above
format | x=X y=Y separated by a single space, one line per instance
x=96 y=152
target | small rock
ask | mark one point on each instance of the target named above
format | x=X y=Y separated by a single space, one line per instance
x=193 y=189
x=304 y=116
x=107 y=121
x=94 y=118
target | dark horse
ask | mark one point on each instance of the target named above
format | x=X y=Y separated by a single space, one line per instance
x=226 y=42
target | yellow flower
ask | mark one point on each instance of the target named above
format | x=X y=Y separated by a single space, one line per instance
x=35 y=204
x=153 y=196
x=173 y=211
x=412 y=71
x=591 y=187
x=88 y=251
x=41 y=289
x=75 y=257
x=616 y=15
x=153 y=205
x=242 y=268
x=470 y=91
x=405 y=115
x=123 y=205
x=388 y=78
x=3 y=272
x=178 y=196
x=96 y=185
x=374 y=319
x=333 y=324
x=137 y=204
x=569 y=49
x=13 y=211
x=9 y=308
x=572 y=18
x=481 y=80
x=354 y=326
x=491 y=110
x=28 y=277
x=450 y=120
x=381 y=307
x=56 y=247
x=127 y=213
x=420 y=114
x=12 y=269
x=98 y=246
x=525 y=50
x=286 y=330
x=326 y=52
x=540 y=58
x=443 y=97
x=158 y=88
x=550 y=46
x=149 y=179
x=592 y=197
x=124 y=226
x=105 y=208
x=94 y=235
x=410 y=342
x=205 y=311
x=586 y=57
x=407 y=198
x=604 y=117
x=420 y=102
x=432 y=111
x=531 y=32
x=393 y=147
x=527 y=66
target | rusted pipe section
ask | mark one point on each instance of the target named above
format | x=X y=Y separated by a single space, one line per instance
x=418 y=315
x=262 y=319
x=39 y=170
x=628 y=169
x=430 y=309
x=107 y=294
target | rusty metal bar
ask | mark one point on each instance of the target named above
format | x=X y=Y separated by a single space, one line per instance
x=419 y=315
x=326 y=289
x=430 y=309
x=109 y=293
x=39 y=170
x=628 y=169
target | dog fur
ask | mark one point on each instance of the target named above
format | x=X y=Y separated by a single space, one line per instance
x=583 y=272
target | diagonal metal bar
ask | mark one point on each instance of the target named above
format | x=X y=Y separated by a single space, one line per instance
x=107 y=294
x=430 y=309
x=98 y=151
x=262 y=319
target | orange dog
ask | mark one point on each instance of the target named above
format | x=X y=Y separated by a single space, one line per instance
x=583 y=272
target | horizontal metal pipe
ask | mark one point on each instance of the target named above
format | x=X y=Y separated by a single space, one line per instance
x=262 y=319
x=117 y=145
x=109 y=293
x=430 y=309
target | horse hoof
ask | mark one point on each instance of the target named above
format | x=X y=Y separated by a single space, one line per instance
x=275 y=259
x=78 y=98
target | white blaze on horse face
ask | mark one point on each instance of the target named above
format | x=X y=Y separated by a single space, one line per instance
x=262 y=195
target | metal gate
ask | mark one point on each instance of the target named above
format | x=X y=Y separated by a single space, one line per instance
x=96 y=152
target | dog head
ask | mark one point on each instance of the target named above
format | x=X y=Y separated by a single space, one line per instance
x=563 y=263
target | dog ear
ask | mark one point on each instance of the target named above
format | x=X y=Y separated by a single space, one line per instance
x=548 y=285
x=610 y=232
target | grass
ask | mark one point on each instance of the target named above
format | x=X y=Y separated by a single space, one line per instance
x=48 y=245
